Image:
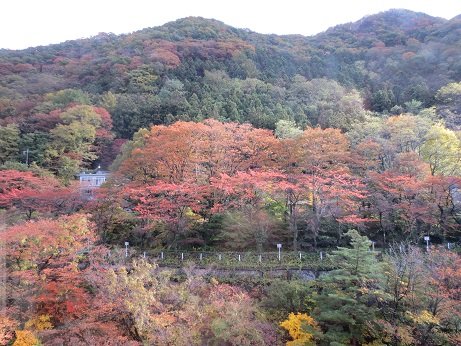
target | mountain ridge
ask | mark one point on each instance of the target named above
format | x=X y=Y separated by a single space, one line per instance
x=222 y=25
x=390 y=58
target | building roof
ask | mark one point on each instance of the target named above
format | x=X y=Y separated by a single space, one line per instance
x=100 y=173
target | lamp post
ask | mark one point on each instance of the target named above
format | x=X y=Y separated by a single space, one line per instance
x=126 y=248
x=26 y=152
x=426 y=238
x=279 y=247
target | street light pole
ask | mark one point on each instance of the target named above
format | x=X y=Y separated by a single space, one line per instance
x=26 y=152
x=426 y=238
x=126 y=248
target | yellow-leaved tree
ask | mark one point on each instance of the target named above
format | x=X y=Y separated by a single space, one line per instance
x=301 y=328
x=441 y=150
x=25 y=338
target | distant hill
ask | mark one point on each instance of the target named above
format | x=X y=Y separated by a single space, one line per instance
x=194 y=68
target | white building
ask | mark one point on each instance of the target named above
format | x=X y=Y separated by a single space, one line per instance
x=93 y=180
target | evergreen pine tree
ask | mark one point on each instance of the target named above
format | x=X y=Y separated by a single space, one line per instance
x=347 y=297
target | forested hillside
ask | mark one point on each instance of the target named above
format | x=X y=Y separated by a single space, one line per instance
x=196 y=68
x=343 y=149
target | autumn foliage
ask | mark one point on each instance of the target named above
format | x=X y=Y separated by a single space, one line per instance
x=234 y=187
x=300 y=327
x=239 y=142
x=209 y=168
x=47 y=287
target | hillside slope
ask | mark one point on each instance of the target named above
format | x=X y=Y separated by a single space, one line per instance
x=195 y=68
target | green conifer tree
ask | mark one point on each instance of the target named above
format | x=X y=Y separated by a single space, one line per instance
x=347 y=297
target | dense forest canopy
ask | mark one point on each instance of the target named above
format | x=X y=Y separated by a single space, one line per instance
x=196 y=68
x=223 y=139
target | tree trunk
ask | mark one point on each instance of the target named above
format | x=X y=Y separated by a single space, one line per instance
x=315 y=225
x=294 y=227
x=382 y=228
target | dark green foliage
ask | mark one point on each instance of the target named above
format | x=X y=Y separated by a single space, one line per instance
x=134 y=111
x=347 y=297
x=9 y=143
x=36 y=143
x=208 y=232
x=283 y=297
x=383 y=100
